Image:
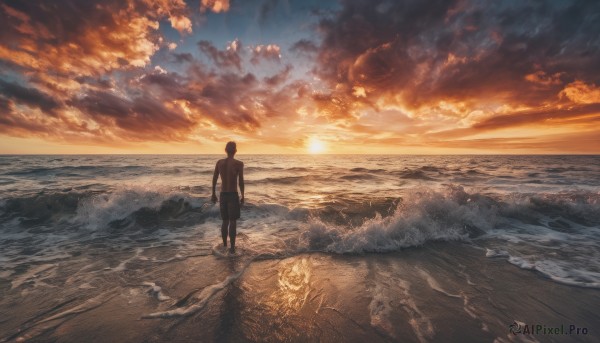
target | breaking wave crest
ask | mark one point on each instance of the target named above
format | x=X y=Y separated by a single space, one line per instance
x=453 y=214
x=421 y=216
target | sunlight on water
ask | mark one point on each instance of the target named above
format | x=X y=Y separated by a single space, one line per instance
x=294 y=285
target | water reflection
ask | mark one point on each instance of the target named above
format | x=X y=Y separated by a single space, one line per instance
x=294 y=286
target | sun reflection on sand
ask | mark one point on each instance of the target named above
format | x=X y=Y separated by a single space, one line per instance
x=294 y=286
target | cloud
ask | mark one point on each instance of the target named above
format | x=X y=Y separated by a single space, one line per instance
x=541 y=78
x=304 y=46
x=144 y=104
x=231 y=100
x=28 y=96
x=143 y=117
x=269 y=52
x=79 y=37
x=382 y=72
x=88 y=72
x=581 y=93
x=182 y=57
x=216 y=6
x=416 y=54
x=175 y=10
x=230 y=57
x=578 y=143
x=537 y=116
x=181 y=23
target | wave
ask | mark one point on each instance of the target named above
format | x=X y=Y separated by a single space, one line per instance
x=418 y=215
x=432 y=169
x=580 y=207
x=88 y=209
x=142 y=207
x=573 y=273
x=425 y=207
x=6 y=181
x=421 y=216
x=367 y=170
x=566 y=169
x=474 y=172
x=361 y=176
x=271 y=169
x=414 y=174
x=539 y=223
x=41 y=208
x=74 y=170
x=450 y=213
x=288 y=180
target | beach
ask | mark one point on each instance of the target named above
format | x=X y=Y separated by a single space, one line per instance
x=111 y=248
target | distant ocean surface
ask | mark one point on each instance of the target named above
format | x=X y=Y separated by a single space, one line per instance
x=69 y=222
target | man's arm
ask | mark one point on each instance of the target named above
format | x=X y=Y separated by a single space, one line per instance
x=214 y=182
x=241 y=176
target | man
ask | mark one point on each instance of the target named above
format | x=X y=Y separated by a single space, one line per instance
x=230 y=170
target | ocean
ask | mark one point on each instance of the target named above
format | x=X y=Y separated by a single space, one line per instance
x=378 y=248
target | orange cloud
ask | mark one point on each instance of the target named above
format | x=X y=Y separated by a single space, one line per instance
x=116 y=37
x=181 y=24
x=581 y=93
x=216 y=6
x=540 y=77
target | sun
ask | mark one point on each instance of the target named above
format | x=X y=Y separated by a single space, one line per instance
x=315 y=146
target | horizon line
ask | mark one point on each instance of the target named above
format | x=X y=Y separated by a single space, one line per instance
x=308 y=154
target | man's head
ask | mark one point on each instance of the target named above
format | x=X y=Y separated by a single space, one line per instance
x=230 y=148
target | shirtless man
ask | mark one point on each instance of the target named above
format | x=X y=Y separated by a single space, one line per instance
x=230 y=170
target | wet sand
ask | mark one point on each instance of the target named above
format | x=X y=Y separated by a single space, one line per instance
x=441 y=292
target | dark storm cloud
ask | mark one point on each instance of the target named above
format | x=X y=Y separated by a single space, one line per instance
x=424 y=51
x=28 y=96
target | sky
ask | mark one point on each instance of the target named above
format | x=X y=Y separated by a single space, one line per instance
x=283 y=76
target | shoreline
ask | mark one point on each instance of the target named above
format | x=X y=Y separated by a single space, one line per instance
x=442 y=291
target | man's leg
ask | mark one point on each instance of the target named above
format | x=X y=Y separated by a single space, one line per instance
x=232 y=233
x=224 y=231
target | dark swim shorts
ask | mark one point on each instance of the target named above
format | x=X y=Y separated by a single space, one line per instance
x=229 y=202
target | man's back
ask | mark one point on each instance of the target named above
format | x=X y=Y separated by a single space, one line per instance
x=229 y=170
